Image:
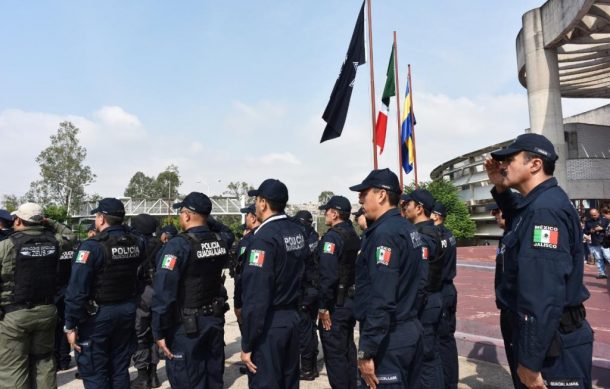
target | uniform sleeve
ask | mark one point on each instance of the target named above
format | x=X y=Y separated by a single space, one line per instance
x=239 y=267
x=507 y=201
x=87 y=260
x=257 y=287
x=544 y=262
x=330 y=249
x=383 y=266
x=170 y=263
x=62 y=232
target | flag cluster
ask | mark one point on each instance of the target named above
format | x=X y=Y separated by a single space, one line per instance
x=407 y=145
x=389 y=90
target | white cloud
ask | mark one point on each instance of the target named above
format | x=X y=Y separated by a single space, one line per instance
x=274 y=158
x=114 y=116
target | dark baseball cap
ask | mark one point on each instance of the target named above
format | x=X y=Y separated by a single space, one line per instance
x=110 y=206
x=440 y=210
x=359 y=212
x=534 y=143
x=249 y=209
x=420 y=196
x=91 y=227
x=339 y=203
x=145 y=223
x=196 y=202
x=304 y=217
x=169 y=229
x=6 y=215
x=380 y=178
x=271 y=189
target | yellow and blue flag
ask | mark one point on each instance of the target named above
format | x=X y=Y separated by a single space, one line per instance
x=407 y=144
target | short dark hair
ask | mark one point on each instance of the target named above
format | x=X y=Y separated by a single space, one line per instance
x=548 y=166
x=393 y=198
x=113 y=220
x=344 y=216
x=276 y=206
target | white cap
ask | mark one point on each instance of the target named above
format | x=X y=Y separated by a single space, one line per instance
x=29 y=212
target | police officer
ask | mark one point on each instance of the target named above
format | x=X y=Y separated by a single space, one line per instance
x=28 y=262
x=308 y=306
x=542 y=284
x=6 y=222
x=168 y=232
x=417 y=207
x=188 y=306
x=338 y=250
x=101 y=299
x=271 y=282
x=446 y=329
x=360 y=219
x=91 y=231
x=387 y=277
x=146 y=357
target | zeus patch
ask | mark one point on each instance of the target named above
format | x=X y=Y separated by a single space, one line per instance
x=329 y=248
x=383 y=255
x=168 y=262
x=82 y=256
x=545 y=237
x=257 y=258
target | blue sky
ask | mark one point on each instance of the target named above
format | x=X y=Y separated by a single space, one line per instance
x=235 y=90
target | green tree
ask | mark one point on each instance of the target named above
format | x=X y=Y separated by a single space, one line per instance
x=458 y=219
x=238 y=189
x=325 y=196
x=141 y=187
x=63 y=173
x=167 y=183
x=55 y=212
x=10 y=202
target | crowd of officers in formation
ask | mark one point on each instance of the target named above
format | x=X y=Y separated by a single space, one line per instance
x=124 y=294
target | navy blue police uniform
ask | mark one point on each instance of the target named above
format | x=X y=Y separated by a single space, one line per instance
x=7 y=222
x=447 y=326
x=387 y=278
x=240 y=254
x=308 y=305
x=271 y=282
x=188 y=302
x=101 y=301
x=338 y=250
x=542 y=283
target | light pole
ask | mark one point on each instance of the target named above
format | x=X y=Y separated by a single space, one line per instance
x=69 y=197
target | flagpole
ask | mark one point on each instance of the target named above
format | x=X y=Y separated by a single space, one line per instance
x=372 y=74
x=395 y=48
x=413 y=131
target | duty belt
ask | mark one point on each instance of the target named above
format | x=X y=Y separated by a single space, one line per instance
x=204 y=310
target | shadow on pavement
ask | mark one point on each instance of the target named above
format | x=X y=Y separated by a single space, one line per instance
x=487 y=374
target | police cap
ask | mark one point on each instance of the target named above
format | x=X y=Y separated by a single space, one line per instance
x=534 y=143
x=339 y=203
x=422 y=197
x=170 y=230
x=304 y=217
x=380 y=178
x=273 y=190
x=359 y=212
x=6 y=216
x=110 y=206
x=249 y=209
x=440 y=210
x=196 y=202
x=145 y=224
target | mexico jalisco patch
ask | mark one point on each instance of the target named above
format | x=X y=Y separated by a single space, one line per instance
x=545 y=236
x=383 y=255
x=257 y=258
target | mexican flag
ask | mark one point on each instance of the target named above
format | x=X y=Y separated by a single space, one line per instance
x=329 y=248
x=546 y=234
x=169 y=261
x=257 y=258
x=389 y=90
x=383 y=254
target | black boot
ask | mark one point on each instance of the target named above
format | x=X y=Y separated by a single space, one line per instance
x=307 y=370
x=141 y=381
x=153 y=377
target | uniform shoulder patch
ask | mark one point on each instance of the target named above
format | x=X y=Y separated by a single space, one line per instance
x=383 y=255
x=545 y=236
x=424 y=253
x=242 y=250
x=168 y=262
x=329 y=248
x=82 y=256
x=256 y=258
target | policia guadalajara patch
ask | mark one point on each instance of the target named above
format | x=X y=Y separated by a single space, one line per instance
x=545 y=237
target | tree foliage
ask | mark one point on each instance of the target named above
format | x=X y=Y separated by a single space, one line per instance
x=238 y=189
x=325 y=196
x=140 y=186
x=63 y=173
x=458 y=219
x=10 y=202
x=165 y=185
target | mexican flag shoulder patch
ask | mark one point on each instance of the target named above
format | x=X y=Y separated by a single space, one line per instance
x=82 y=256
x=383 y=255
x=329 y=248
x=545 y=236
x=424 y=253
x=168 y=262
x=256 y=258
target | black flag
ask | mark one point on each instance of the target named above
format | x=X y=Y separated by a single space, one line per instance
x=336 y=110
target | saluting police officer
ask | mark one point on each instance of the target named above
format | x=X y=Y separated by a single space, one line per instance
x=542 y=283
x=387 y=277
x=6 y=222
x=417 y=207
x=271 y=282
x=28 y=260
x=446 y=328
x=101 y=299
x=188 y=305
x=338 y=250
x=308 y=306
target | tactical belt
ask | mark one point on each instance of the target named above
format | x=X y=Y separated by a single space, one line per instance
x=204 y=310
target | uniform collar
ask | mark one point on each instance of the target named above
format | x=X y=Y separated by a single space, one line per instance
x=271 y=219
x=390 y=213
x=533 y=195
x=426 y=222
x=201 y=228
